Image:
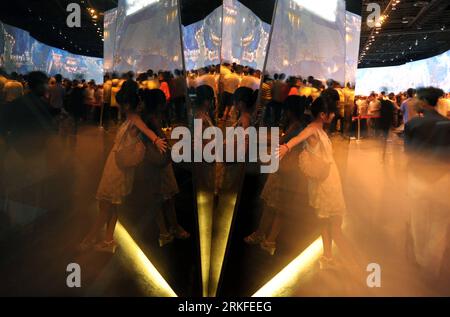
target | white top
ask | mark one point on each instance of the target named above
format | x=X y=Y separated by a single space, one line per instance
x=231 y=83
x=251 y=82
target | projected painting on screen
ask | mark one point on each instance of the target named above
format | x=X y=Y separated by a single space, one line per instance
x=434 y=71
x=21 y=53
x=148 y=36
x=245 y=36
x=202 y=41
x=309 y=39
x=352 y=39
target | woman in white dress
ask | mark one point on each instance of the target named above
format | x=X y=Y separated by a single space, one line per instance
x=325 y=194
x=116 y=182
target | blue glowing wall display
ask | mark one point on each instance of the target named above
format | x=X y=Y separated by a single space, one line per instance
x=147 y=36
x=202 y=41
x=434 y=71
x=244 y=37
x=21 y=53
x=308 y=38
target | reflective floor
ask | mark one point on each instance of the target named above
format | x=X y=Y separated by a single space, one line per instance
x=37 y=245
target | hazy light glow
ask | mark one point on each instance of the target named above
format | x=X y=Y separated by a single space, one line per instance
x=288 y=279
x=326 y=9
x=134 y=6
x=205 y=218
x=223 y=219
x=149 y=278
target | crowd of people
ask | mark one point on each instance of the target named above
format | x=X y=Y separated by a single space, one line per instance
x=306 y=110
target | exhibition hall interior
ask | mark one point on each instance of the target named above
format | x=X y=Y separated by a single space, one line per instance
x=225 y=148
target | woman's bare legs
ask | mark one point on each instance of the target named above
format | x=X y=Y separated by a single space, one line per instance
x=102 y=218
x=265 y=222
x=274 y=229
x=326 y=239
x=344 y=245
x=169 y=206
x=263 y=227
x=161 y=221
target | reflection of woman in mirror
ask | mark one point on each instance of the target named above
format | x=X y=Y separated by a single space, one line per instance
x=116 y=183
x=280 y=187
x=244 y=102
x=325 y=195
x=204 y=172
x=164 y=185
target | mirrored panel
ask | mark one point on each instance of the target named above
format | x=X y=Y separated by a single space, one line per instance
x=202 y=40
x=144 y=99
x=246 y=31
x=273 y=221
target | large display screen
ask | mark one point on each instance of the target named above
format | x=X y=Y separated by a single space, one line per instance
x=434 y=71
x=21 y=53
x=202 y=41
x=148 y=36
x=309 y=40
x=245 y=36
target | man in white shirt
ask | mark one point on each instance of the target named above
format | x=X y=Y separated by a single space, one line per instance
x=250 y=81
x=209 y=79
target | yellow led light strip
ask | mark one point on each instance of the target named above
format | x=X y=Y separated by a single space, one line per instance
x=149 y=278
x=222 y=225
x=205 y=219
x=287 y=280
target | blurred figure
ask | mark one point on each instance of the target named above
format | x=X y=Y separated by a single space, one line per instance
x=407 y=107
x=231 y=82
x=427 y=140
x=13 y=88
x=164 y=87
x=349 y=108
x=281 y=190
x=117 y=182
x=56 y=94
x=373 y=110
x=27 y=125
x=179 y=95
x=162 y=176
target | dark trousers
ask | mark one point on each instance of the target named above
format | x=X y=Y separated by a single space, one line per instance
x=276 y=110
x=180 y=108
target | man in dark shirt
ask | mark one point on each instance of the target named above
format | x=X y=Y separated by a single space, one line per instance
x=429 y=133
x=26 y=121
x=27 y=126
x=427 y=141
